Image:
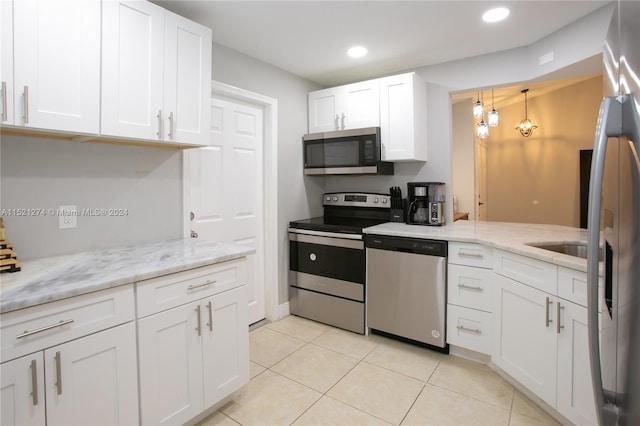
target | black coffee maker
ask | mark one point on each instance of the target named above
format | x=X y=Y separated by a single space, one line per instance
x=426 y=203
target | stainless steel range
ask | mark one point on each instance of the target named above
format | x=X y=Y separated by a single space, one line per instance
x=327 y=262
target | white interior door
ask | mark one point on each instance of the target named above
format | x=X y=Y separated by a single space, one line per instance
x=226 y=188
x=481 y=180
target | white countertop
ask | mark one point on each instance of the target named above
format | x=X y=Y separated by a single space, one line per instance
x=512 y=237
x=55 y=278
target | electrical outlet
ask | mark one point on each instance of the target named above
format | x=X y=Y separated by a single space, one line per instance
x=67 y=217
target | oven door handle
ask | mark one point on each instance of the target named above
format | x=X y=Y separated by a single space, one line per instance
x=325 y=234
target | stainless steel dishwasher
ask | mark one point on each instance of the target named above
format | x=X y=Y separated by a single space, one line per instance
x=406 y=288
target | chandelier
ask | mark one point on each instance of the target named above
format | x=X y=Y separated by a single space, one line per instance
x=526 y=127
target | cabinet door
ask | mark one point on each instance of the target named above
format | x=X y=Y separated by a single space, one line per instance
x=324 y=109
x=170 y=351
x=6 y=64
x=402 y=118
x=57 y=64
x=22 y=391
x=132 y=69
x=575 y=391
x=187 y=81
x=360 y=105
x=93 y=379
x=525 y=343
x=225 y=344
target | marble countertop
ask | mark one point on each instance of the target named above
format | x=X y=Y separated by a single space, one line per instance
x=512 y=237
x=55 y=278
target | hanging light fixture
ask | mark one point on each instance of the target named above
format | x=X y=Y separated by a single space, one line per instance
x=482 y=130
x=492 y=116
x=526 y=127
x=477 y=108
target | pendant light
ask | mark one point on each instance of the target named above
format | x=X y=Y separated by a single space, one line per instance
x=526 y=127
x=477 y=108
x=492 y=116
x=482 y=130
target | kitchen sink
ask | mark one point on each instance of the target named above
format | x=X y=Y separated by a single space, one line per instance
x=578 y=249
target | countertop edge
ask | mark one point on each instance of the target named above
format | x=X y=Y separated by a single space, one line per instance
x=19 y=297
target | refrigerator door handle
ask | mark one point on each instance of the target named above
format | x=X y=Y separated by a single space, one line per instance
x=609 y=125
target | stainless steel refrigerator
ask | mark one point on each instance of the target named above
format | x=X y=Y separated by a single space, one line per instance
x=614 y=227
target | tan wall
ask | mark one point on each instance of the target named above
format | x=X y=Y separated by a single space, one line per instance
x=536 y=179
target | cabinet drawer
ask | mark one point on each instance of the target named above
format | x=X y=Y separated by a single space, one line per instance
x=469 y=328
x=533 y=272
x=39 y=327
x=470 y=287
x=169 y=291
x=470 y=254
x=572 y=286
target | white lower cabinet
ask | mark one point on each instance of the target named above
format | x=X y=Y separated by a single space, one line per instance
x=193 y=355
x=22 y=391
x=541 y=340
x=83 y=380
x=575 y=387
x=525 y=342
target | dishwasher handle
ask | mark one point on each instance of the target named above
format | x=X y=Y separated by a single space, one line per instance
x=407 y=245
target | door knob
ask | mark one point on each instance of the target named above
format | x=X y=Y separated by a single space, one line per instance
x=194 y=234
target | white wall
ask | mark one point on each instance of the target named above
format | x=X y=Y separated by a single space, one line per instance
x=44 y=173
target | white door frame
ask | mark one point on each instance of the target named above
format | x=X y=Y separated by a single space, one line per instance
x=270 y=188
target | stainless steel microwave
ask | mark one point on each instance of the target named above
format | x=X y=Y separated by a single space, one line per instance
x=345 y=152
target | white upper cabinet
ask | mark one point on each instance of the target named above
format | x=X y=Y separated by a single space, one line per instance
x=6 y=61
x=56 y=65
x=403 y=115
x=156 y=74
x=132 y=64
x=346 y=107
x=187 y=80
x=397 y=104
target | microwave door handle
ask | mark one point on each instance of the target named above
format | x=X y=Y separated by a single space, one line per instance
x=609 y=125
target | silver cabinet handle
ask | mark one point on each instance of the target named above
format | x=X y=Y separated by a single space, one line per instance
x=171 y=126
x=342 y=121
x=193 y=287
x=25 y=94
x=58 y=373
x=471 y=330
x=210 y=307
x=337 y=119
x=4 y=101
x=474 y=255
x=547 y=320
x=468 y=287
x=34 y=382
x=558 y=326
x=159 y=116
x=45 y=328
x=199 y=321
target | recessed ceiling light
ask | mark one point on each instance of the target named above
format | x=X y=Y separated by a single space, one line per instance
x=495 y=15
x=357 y=51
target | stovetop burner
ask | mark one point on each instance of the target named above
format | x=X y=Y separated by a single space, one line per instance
x=348 y=213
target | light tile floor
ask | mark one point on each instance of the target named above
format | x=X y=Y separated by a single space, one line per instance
x=307 y=373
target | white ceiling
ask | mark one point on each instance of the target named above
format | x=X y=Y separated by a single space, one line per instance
x=310 y=38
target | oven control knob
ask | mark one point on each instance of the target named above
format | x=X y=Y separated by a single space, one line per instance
x=375 y=200
x=327 y=198
x=335 y=199
x=384 y=201
x=313 y=257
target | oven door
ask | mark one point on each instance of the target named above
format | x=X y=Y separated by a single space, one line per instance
x=329 y=265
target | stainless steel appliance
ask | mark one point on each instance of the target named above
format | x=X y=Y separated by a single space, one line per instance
x=426 y=203
x=327 y=263
x=614 y=224
x=406 y=288
x=344 y=152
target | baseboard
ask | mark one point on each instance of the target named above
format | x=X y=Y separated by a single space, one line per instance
x=284 y=310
